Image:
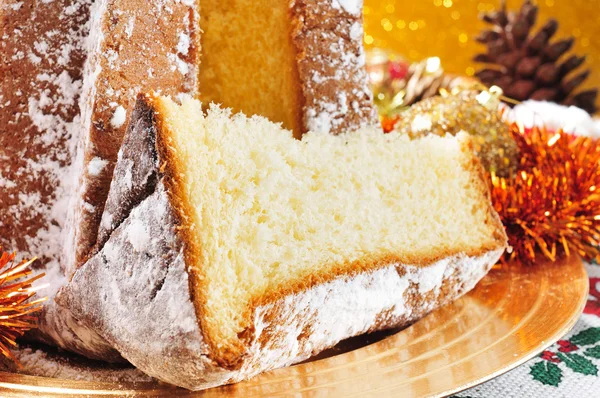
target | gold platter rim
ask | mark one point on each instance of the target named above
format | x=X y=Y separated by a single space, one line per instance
x=569 y=325
x=573 y=269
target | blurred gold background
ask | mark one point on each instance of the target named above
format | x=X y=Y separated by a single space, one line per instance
x=445 y=28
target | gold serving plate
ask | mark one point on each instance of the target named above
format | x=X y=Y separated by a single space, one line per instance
x=511 y=316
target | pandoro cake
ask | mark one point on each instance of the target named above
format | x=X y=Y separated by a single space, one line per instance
x=235 y=248
x=71 y=71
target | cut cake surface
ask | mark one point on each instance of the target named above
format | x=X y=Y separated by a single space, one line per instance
x=297 y=62
x=257 y=250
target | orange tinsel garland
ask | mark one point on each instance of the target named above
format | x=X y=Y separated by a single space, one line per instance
x=16 y=308
x=552 y=203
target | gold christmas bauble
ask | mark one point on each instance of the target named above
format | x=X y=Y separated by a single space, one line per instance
x=472 y=112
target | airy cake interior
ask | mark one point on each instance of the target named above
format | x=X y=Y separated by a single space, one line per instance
x=267 y=210
x=244 y=35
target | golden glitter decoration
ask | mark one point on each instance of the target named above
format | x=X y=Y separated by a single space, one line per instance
x=552 y=204
x=470 y=111
x=446 y=29
x=16 y=307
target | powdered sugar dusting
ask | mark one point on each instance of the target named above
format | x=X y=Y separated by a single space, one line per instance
x=319 y=122
x=354 y=7
x=359 y=304
x=138 y=236
x=119 y=117
x=50 y=111
x=145 y=298
x=96 y=165
x=41 y=49
x=131 y=48
x=183 y=46
x=429 y=278
x=129 y=27
x=332 y=69
x=47 y=362
x=356 y=31
x=91 y=71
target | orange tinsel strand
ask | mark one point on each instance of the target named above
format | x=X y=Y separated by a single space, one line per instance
x=551 y=205
x=16 y=306
x=389 y=122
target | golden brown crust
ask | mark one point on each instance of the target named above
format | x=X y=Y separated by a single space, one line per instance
x=331 y=66
x=136 y=175
x=30 y=96
x=138 y=51
x=300 y=125
x=172 y=173
x=364 y=265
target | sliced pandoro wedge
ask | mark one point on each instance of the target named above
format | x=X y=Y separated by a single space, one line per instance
x=235 y=248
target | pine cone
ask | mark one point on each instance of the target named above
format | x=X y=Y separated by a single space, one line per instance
x=529 y=66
